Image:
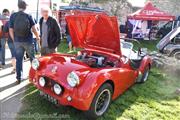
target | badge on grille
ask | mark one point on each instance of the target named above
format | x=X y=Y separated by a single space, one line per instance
x=54 y=69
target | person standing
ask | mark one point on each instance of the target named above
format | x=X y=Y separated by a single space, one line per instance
x=68 y=37
x=1 y=66
x=69 y=41
x=35 y=42
x=4 y=18
x=49 y=32
x=6 y=38
x=21 y=25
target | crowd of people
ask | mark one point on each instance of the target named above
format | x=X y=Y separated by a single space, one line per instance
x=20 y=31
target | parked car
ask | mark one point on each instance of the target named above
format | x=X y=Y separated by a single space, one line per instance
x=168 y=27
x=96 y=75
x=170 y=44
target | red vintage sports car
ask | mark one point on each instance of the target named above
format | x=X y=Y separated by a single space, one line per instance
x=99 y=73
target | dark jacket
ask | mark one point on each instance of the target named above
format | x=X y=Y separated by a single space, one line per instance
x=54 y=35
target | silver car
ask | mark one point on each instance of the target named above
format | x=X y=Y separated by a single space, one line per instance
x=170 y=44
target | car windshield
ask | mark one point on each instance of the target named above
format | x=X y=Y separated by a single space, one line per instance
x=127 y=45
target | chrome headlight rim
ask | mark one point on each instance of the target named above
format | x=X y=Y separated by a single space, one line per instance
x=57 y=89
x=73 y=79
x=35 y=64
x=42 y=81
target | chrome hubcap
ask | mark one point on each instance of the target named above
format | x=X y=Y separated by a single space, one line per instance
x=102 y=102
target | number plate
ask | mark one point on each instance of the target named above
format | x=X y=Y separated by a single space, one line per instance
x=48 y=97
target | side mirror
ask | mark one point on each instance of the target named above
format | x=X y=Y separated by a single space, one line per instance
x=143 y=51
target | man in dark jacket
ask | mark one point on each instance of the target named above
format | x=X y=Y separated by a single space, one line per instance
x=50 y=32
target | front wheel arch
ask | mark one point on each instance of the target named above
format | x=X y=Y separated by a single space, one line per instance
x=91 y=113
x=109 y=82
x=173 y=52
x=149 y=66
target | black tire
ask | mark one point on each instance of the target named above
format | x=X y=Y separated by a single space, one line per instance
x=105 y=92
x=177 y=55
x=173 y=53
x=145 y=75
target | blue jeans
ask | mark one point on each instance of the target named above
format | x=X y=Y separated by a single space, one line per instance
x=20 y=48
x=3 y=49
x=12 y=48
x=0 y=54
x=36 y=47
x=68 y=39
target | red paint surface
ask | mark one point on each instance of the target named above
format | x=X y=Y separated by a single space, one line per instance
x=90 y=37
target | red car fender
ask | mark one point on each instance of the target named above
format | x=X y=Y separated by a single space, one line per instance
x=31 y=74
x=93 y=81
x=146 y=62
x=43 y=61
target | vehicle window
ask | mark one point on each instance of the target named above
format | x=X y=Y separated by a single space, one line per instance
x=177 y=39
x=126 y=45
x=178 y=23
x=168 y=25
x=126 y=48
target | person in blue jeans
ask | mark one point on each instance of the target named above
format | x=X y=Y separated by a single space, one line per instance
x=21 y=26
x=1 y=66
x=35 y=42
x=69 y=41
x=12 y=50
x=0 y=55
x=6 y=39
x=4 y=18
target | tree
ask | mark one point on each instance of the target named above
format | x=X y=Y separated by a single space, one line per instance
x=119 y=8
x=170 y=6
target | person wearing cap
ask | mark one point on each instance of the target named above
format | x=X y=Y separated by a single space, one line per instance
x=21 y=26
x=49 y=32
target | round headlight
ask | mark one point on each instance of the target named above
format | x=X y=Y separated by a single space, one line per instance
x=42 y=81
x=57 y=89
x=35 y=64
x=73 y=79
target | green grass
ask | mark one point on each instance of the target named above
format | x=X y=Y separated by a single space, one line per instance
x=153 y=100
x=149 y=44
x=63 y=48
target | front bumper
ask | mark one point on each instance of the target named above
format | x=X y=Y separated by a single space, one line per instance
x=68 y=97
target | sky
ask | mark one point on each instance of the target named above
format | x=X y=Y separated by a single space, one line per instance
x=10 y=4
x=137 y=3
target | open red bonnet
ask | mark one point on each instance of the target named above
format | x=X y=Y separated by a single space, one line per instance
x=98 y=32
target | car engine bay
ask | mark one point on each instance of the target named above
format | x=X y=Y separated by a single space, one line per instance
x=96 y=60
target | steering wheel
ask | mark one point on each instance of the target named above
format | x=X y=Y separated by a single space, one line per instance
x=138 y=45
x=139 y=52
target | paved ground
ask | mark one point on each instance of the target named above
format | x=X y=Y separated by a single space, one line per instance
x=10 y=93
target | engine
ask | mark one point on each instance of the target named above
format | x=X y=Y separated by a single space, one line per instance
x=94 y=60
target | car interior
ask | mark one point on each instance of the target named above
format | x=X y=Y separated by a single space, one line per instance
x=134 y=56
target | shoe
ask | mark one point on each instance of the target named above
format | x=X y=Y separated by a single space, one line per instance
x=13 y=71
x=18 y=82
x=1 y=66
